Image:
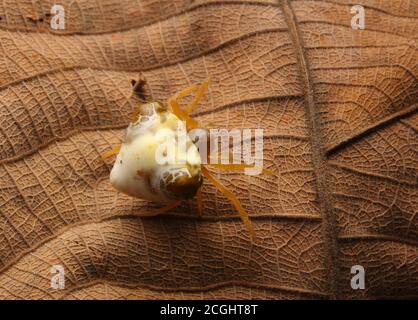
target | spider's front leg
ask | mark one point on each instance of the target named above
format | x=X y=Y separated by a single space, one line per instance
x=185 y=114
x=159 y=211
x=192 y=124
x=112 y=152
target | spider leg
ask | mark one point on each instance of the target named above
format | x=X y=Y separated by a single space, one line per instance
x=185 y=114
x=175 y=106
x=110 y=153
x=239 y=167
x=161 y=210
x=233 y=199
x=201 y=90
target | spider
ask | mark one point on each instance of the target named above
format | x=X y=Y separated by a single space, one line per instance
x=136 y=171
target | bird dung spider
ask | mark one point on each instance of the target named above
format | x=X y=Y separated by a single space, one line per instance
x=137 y=171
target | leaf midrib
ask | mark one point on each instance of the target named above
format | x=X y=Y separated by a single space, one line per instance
x=320 y=166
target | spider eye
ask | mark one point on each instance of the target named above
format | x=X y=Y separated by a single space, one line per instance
x=181 y=184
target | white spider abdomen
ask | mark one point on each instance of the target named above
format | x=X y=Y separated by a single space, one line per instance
x=157 y=161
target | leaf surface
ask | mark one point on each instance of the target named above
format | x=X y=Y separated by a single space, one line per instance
x=339 y=111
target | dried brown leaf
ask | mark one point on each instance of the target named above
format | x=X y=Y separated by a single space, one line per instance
x=339 y=110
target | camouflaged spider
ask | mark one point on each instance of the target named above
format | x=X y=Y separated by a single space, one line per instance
x=136 y=171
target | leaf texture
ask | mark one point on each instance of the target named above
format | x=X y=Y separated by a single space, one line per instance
x=339 y=111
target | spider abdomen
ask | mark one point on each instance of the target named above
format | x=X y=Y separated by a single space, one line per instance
x=157 y=160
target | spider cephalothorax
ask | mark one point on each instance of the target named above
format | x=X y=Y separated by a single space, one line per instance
x=143 y=169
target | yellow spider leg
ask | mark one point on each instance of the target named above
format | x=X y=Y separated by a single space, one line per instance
x=173 y=101
x=191 y=123
x=234 y=200
x=175 y=108
x=201 y=90
x=239 y=167
x=185 y=92
x=184 y=114
x=110 y=153
x=199 y=201
x=161 y=210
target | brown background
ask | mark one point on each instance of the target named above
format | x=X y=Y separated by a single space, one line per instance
x=339 y=112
